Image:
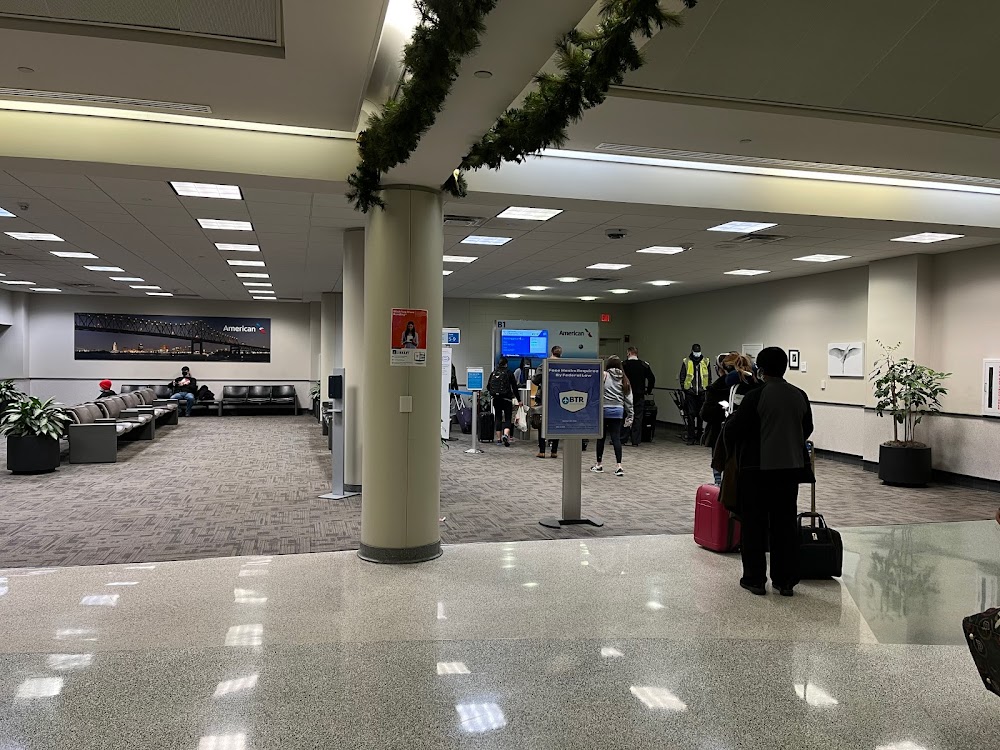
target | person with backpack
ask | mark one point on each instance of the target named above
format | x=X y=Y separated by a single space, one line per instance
x=502 y=388
x=537 y=381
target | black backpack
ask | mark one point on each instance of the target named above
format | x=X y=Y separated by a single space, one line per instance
x=204 y=394
x=499 y=385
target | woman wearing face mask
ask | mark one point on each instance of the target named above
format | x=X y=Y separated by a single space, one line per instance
x=617 y=411
x=741 y=378
x=713 y=412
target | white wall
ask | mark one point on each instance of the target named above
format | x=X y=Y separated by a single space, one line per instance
x=54 y=372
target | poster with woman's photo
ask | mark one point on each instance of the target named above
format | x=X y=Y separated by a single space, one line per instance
x=409 y=338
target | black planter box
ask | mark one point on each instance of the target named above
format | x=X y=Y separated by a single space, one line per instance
x=905 y=467
x=31 y=454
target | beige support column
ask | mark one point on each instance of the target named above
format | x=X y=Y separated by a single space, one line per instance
x=354 y=362
x=329 y=312
x=401 y=443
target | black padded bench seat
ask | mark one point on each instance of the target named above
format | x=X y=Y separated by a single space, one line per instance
x=259 y=397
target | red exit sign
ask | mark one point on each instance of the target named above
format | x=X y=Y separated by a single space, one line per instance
x=605 y=317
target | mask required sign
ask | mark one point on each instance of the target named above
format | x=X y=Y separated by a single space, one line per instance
x=572 y=397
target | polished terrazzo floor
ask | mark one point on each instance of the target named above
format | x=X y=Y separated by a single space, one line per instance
x=637 y=642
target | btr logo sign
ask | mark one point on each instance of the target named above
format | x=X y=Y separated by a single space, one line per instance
x=573 y=401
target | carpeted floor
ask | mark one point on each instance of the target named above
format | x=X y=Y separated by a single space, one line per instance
x=249 y=486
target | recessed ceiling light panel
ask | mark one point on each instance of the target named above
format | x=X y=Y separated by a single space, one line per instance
x=619 y=291
x=257 y=283
x=568 y=279
x=820 y=258
x=479 y=239
x=44 y=289
x=529 y=214
x=236 y=247
x=207 y=190
x=588 y=299
x=233 y=226
x=61 y=254
x=254 y=263
x=126 y=278
x=661 y=282
x=35 y=236
x=18 y=283
x=460 y=258
x=609 y=266
x=446 y=272
x=144 y=286
x=106 y=269
x=159 y=294
x=662 y=250
x=4 y=212
x=926 y=238
x=253 y=276
x=745 y=272
x=513 y=296
x=742 y=227
x=537 y=288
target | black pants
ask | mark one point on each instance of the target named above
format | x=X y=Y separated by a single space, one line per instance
x=541 y=445
x=693 y=403
x=612 y=427
x=503 y=414
x=633 y=433
x=768 y=502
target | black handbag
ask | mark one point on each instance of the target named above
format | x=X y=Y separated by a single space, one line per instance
x=982 y=632
x=821 y=550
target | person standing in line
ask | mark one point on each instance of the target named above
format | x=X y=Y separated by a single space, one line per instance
x=106 y=391
x=537 y=380
x=502 y=388
x=183 y=389
x=618 y=412
x=641 y=378
x=768 y=433
x=695 y=377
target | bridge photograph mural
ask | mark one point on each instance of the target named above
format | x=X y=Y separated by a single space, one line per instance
x=116 y=336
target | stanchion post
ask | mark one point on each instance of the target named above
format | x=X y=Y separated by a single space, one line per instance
x=474 y=450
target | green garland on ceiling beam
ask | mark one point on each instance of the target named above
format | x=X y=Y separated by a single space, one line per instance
x=448 y=31
x=589 y=64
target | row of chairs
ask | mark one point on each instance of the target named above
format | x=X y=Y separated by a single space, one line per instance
x=236 y=397
x=97 y=427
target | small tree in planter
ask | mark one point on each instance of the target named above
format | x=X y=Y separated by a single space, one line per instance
x=906 y=391
x=33 y=428
x=8 y=394
x=314 y=395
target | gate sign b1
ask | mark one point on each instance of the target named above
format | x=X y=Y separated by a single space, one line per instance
x=572 y=398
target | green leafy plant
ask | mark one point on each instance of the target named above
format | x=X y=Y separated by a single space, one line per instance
x=8 y=392
x=29 y=416
x=314 y=390
x=906 y=391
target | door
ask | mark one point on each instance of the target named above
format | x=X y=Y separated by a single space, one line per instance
x=607 y=347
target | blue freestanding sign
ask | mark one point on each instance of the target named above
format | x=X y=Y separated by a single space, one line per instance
x=572 y=398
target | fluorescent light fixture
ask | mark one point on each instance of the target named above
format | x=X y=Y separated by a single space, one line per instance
x=609 y=266
x=100 y=600
x=159 y=294
x=568 y=279
x=40 y=687
x=253 y=263
x=661 y=282
x=452 y=667
x=61 y=254
x=144 y=286
x=537 y=288
x=207 y=190
x=815 y=696
x=105 y=269
x=4 y=212
x=820 y=258
x=34 y=236
x=253 y=276
x=234 y=226
x=45 y=289
x=588 y=299
x=513 y=296
x=228 y=687
x=126 y=278
x=609 y=652
x=446 y=272
x=264 y=299
x=619 y=291
x=2 y=274
x=18 y=283
x=479 y=718
x=237 y=247
x=529 y=214
x=460 y=258
x=477 y=239
x=257 y=283
x=745 y=272
x=245 y=635
x=69 y=661
x=925 y=238
x=658 y=698
x=742 y=227
x=662 y=250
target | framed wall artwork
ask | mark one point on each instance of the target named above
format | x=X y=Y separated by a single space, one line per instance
x=793 y=359
x=846 y=360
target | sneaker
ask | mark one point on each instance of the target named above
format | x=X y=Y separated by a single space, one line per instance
x=619 y=472
x=753 y=589
x=499 y=442
x=597 y=469
x=506 y=441
x=539 y=455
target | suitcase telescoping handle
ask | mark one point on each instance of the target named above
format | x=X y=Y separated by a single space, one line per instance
x=814 y=520
x=811 y=450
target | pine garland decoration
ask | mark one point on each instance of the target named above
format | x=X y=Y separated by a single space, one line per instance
x=590 y=64
x=448 y=31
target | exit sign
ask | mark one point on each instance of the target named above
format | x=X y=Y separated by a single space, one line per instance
x=605 y=317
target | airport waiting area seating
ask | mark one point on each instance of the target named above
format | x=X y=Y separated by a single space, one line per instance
x=237 y=397
x=96 y=428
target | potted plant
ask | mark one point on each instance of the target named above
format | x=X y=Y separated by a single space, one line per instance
x=33 y=428
x=906 y=391
x=314 y=394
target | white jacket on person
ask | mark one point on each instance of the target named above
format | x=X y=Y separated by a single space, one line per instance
x=614 y=393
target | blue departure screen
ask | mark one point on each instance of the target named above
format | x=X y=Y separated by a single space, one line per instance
x=524 y=343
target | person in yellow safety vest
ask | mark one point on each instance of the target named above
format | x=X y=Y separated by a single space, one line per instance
x=695 y=377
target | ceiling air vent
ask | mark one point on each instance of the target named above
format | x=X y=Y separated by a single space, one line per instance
x=187 y=294
x=600 y=279
x=451 y=220
x=751 y=240
x=82 y=285
x=102 y=291
x=115 y=101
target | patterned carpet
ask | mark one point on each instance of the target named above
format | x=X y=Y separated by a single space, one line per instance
x=249 y=485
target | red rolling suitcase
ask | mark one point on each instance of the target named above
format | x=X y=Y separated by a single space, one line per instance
x=714 y=528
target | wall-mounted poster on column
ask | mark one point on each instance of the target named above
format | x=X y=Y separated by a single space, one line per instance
x=117 y=336
x=408 y=344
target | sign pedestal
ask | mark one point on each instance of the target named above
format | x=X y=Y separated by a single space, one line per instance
x=572 y=489
x=474 y=450
x=337 y=396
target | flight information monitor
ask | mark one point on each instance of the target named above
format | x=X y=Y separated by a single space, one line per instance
x=524 y=343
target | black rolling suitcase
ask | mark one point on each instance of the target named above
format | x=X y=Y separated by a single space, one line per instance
x=821 y=550
x=486 y=427
x=649 y=412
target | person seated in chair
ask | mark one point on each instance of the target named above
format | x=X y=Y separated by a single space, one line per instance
x=183 y=389
x=106 y=391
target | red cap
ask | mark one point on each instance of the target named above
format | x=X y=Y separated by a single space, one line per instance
x=105 y=385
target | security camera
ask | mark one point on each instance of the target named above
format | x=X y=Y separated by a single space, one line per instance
x=616 y=234
x=23 y=205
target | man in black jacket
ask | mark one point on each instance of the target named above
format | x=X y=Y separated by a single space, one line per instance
x=769 y=432
x=640 y=376
x=183 y=389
